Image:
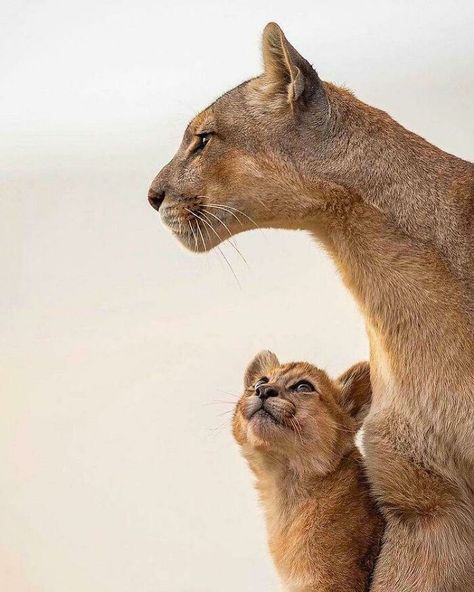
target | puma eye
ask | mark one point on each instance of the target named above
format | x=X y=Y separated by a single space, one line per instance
x=303 y=386
x=203 y=141
x=263 y=380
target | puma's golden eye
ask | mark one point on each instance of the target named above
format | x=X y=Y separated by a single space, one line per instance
x=203 y=141
x=303 y=386
x=263 y=380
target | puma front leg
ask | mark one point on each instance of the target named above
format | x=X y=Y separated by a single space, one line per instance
x=429 y=537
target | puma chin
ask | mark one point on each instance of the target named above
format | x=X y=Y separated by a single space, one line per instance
x=200 y=225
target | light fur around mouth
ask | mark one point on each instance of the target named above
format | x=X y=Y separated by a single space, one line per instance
x=202 y=226
x=268 y=420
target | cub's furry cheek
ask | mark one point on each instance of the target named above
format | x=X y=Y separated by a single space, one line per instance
x=245 y=408
x=250 y=406
x=238 y=430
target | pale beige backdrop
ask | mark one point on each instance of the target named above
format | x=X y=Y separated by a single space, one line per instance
x=120 y=352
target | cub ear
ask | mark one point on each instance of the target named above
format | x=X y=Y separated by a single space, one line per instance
x=262 y=363
x=287 y=73
x=356 y=390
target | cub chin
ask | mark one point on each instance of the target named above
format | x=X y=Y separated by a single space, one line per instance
x=296 y=428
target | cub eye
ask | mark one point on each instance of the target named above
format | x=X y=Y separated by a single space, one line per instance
x=263 y=380
x=203 y=140
x=303 y=386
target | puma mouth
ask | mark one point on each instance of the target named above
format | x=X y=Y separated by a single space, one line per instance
x=179 y=224
x=170 y=217
x=201 y=226
x=199 y=230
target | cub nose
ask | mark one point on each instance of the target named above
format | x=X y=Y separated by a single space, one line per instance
x=155 y=198
x=267 y=390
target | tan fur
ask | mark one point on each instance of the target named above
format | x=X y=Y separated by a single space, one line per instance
x=397 y=216
x=324 y=531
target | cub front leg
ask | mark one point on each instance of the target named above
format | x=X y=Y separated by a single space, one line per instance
x=429 y=537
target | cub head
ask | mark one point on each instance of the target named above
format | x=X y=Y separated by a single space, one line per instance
x=297 y=413
x=263 y=155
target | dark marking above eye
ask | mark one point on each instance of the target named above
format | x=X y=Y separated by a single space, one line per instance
x=262 y=380
x=303 y=386
x=203 y=140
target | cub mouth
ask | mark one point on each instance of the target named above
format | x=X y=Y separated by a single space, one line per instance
x=264 y=413
x=269 y=420
x=265 y=416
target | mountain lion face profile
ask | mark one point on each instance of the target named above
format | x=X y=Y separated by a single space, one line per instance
x=287 y=150
x=251 y=157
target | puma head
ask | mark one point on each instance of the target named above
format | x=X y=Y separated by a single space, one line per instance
x=260 y=156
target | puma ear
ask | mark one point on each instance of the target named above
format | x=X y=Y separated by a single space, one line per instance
x=287 y=73
x=262 y=363
x=356 y=390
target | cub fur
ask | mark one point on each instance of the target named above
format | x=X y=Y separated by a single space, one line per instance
x=296 y=428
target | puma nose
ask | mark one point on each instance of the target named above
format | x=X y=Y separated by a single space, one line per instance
x=267 y=390
x=156 y=198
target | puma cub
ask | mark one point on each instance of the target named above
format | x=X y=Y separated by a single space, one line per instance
x=296 y=428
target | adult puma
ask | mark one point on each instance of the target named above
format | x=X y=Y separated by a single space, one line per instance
x=287 y=150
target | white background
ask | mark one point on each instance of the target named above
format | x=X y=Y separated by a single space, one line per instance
x=120 y=352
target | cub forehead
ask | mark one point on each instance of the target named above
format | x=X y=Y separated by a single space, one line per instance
x=297 y=370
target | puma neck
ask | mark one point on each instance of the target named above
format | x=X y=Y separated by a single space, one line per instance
x=409 y=296
x=424 y=191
